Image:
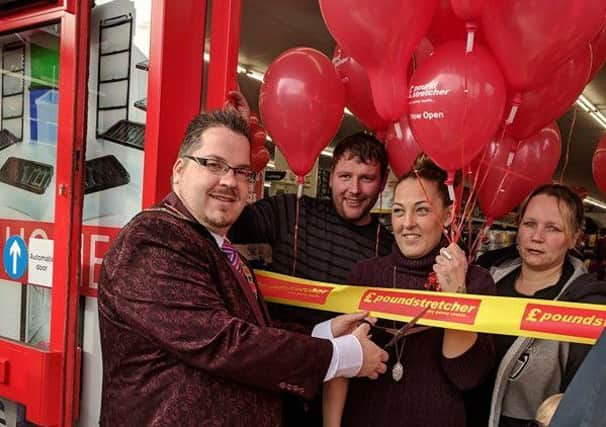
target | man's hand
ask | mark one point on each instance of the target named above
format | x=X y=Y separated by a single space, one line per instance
x=347 y=323
x=451 y=269
x=238 y=103
x=373 y=357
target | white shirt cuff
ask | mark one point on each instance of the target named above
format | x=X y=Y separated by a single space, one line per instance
x=323 y=330
x=346 y=358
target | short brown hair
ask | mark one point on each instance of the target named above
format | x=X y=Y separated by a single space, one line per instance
x=425 y=168
x=364 y=146
x=219 y=118
x=563 y=194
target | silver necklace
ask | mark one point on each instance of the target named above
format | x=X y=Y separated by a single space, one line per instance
x=397 y=372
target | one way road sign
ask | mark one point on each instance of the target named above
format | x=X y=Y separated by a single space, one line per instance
x=14 y=257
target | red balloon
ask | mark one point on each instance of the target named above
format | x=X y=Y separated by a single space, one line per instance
x=546 y=103
x=381 y=36
x=531 y=39
x=456 y=102
x=468 y=10
x=598 y=47
x=301 y=103
x=445 y=25
x=358 y=96
x=259 y=156
x=598 y=165
x=422 y=52
x=401 y=153
x=533 y=161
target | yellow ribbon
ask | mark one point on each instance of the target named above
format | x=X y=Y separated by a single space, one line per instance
x=554 y=320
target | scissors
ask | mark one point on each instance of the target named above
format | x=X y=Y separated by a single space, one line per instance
x=407 y=329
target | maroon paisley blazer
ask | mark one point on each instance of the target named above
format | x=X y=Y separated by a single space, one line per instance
x=184 y=341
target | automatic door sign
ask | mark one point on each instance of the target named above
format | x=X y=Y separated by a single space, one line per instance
x=40 y=262
x=14 y=257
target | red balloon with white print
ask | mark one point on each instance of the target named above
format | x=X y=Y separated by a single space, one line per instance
x=456 y=103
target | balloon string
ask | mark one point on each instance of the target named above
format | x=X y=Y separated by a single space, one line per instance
x=455 y=226
x=474 y=247
x=465 y=205
x=419 y=180
x=378 y=232
x=506 y=172
x=568 y=142
x=296 y=230
x=473 y=195
x=458 y=230
x=470 y=204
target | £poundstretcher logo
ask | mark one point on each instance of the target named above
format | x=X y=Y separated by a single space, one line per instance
x=441 y=307
x=577 y=322
x=294 y=292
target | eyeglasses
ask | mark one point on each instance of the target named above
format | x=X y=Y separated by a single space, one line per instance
x=220 y=168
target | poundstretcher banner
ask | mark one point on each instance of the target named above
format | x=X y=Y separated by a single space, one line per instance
x=555 y=320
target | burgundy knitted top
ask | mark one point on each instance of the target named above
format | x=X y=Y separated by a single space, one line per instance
x=431 y=390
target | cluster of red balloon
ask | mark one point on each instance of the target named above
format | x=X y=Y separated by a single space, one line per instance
x=259 y=156
x=492 y=99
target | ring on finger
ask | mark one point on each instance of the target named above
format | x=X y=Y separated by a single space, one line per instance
x=445 y=254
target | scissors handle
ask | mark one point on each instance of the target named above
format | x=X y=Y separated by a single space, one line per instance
x=407 y=328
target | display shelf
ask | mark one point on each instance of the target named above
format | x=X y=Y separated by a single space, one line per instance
x=26 y=174
x=103 y=173
x=126 y=133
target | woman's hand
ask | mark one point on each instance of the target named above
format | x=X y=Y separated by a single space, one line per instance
x=451 y=269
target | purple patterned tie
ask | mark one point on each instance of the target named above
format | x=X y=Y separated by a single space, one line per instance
x=232 y=254
x=234 y=258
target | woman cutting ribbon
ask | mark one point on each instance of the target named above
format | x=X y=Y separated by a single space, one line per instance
x=430 y=367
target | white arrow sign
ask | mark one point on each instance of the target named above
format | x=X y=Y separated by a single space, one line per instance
x=15 y=252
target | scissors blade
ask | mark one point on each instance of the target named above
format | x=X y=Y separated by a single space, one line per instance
x=402 y=331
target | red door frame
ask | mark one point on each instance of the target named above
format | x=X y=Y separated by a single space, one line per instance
x=224 y=47
x=47 y=382
x=174 y=89
x=44 y=381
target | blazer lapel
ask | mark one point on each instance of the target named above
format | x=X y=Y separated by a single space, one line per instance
x=172 y=202
x=248 y=293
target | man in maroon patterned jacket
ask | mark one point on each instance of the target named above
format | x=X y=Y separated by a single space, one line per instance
x=185 y=335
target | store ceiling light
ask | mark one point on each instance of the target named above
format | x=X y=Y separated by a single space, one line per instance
x=587 y=106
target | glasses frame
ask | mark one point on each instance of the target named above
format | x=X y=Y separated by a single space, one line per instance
x=240 y=173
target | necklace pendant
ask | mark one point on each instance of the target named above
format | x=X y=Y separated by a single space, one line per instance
x=397 y=372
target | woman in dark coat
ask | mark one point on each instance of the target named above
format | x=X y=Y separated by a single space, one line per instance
x=437 y=364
